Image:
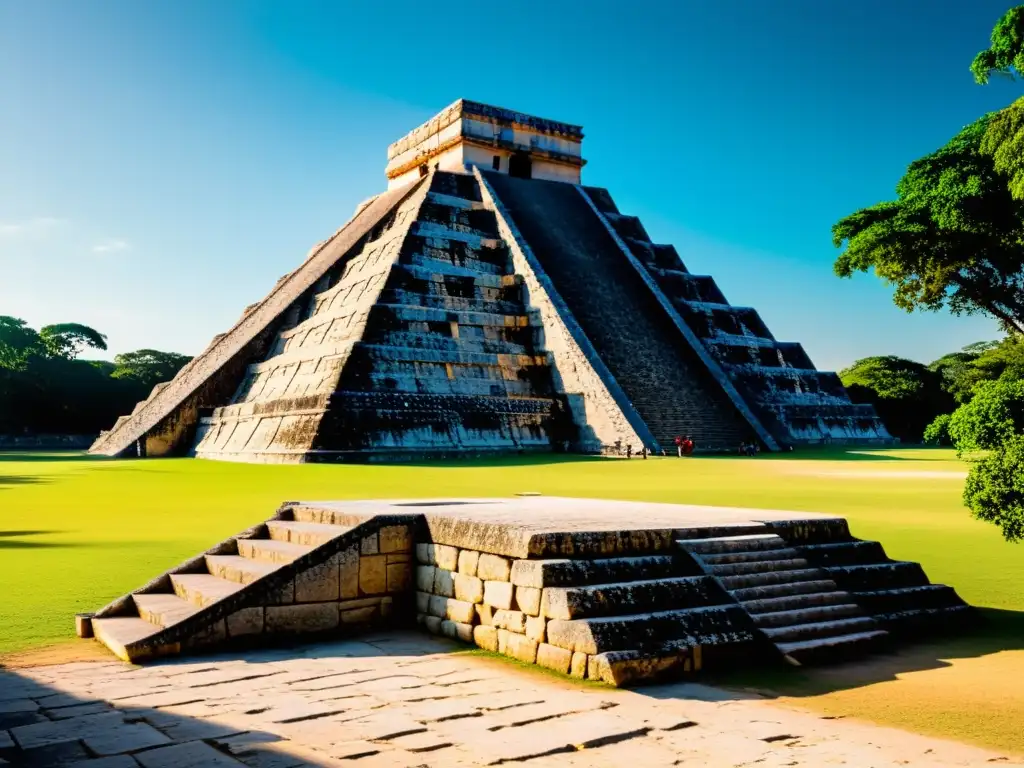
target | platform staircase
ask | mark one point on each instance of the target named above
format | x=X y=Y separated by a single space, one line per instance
x=796 y=606
x=298 y=573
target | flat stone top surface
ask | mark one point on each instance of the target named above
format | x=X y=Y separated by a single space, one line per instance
x=519 y=526
x=403 y=700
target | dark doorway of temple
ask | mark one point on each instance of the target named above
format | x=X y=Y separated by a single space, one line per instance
x=519 y=165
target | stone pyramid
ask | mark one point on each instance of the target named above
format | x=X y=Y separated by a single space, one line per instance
x=488 y=302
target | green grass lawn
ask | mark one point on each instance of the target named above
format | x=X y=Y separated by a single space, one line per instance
x=77 y=532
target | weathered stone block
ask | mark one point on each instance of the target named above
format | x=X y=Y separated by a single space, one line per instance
x=521 y=647
x=370 y=545
x=446 y=557
x=373 y=575
x=493 y=568
x=498 y=594
x=365 y=615
x=528 y=600
x=503 y=635
x=308 y=617
x=422 y=602
x=527 y=573
x=513 y=621
x=399 y=577
x=425 y=578
x=486 y=637
x=395 y=538
x=320 y=583
x=468 y=560
x=468 y=588
x=461 y=611
x=578 y=667
x=425 y=554
x=484 y=614
x=572 y=635
x=438 y=606
x=246 y=621
x=399 y=557
x=215 y=634
x=457 y=630
x=386 y=607
x=535 y=628
x=348 y=573
x=444 y=584
x=554 y=658
x=433 y=625
x=282 y=595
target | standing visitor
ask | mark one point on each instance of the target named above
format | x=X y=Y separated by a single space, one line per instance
x=679 y=446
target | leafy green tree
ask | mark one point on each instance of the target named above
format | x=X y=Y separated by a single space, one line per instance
x=994 y=490
x=1005 y=56
x=953 y=237
x=992 y=417
x=906 y=394
x=937 y=433
x=148 y=366
x=18 y=343
x=67 y=340
x=957 y=374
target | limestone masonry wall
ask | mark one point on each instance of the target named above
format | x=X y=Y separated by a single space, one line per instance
x=499 y=604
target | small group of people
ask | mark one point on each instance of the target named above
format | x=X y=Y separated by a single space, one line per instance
x=749 y=449
x=684 y=446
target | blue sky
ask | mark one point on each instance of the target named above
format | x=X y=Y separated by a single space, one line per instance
x=162 y=164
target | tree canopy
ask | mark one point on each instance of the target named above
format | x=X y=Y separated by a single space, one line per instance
x=993 y=416
x=954 y=236
x=906 y=394
x=1005 y=55
x=45 y=389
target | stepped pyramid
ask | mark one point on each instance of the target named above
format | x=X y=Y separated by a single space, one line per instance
x=489 y=302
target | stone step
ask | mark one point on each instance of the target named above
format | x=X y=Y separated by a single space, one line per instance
x=795 y=602
x=393 y=354
x=163 y=608
x=700 y=626
x=867 y=578
x=786 y=589
x=809 y=615
x=744 y=543
x=749 y=580
x=118 y=632
x=844 y=553
x=304 y=534
x=630 y=597
x=475 y=303
x=819 y=629
x=758 y=566
x=835 y=648
x=751 y=557
x=203 y=588
x=947 y=617
x=908 y=598
x=238 y=569
x=403 y=313
x=576 y=573
x=466 y=267
x=268 y=551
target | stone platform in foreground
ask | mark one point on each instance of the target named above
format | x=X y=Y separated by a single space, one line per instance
x=405 y=699
x=622 y=592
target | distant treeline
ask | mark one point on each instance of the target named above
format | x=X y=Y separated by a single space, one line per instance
x=909 y=395
x=46 y=389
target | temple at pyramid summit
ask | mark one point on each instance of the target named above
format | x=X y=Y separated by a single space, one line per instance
x=486 y=302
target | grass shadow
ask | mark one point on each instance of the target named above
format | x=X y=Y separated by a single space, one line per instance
x=7 y=481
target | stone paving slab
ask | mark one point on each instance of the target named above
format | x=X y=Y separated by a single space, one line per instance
x=414 y=700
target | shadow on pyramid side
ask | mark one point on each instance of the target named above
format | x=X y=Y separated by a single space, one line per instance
x=468 y=312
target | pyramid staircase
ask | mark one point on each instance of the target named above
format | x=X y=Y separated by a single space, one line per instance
x=299 y=573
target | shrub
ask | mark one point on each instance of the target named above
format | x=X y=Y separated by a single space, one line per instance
x=994 y=491
x=937 y=433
